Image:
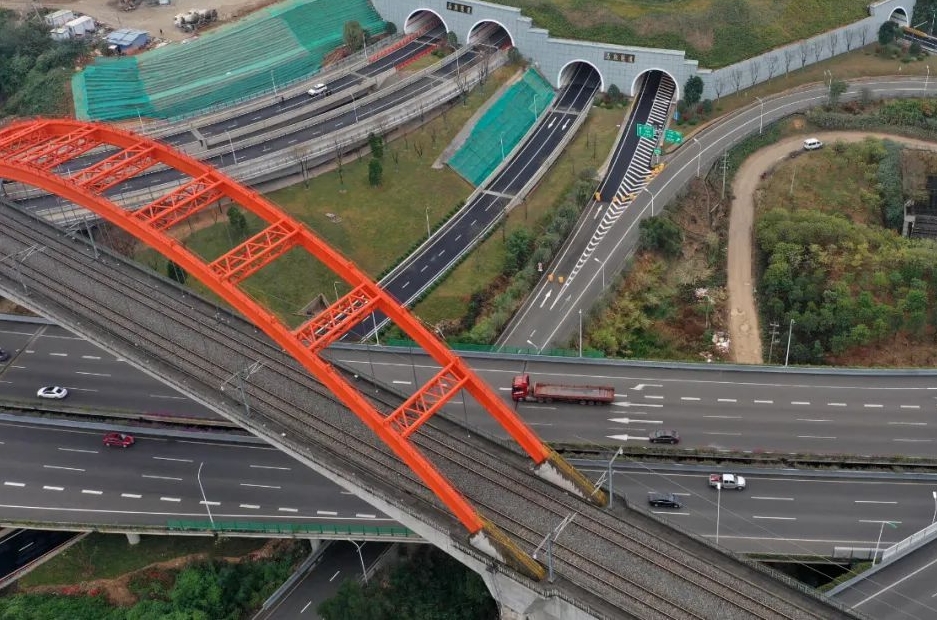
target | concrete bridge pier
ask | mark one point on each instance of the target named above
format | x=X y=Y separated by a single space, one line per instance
x=518 y=602
x=133 y=538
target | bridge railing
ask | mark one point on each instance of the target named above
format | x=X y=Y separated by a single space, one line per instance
x=324 y=529
x=909 y=544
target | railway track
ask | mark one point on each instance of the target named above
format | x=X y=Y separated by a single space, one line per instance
x=209 y=344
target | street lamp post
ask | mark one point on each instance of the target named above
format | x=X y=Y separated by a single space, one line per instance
x=198 y=476
x=549 y=539
x=926 y=77
x=651 y=194
x=879 y=541
x=761 y=116
x=364 y=571
x=580 y=355
x=429 y=233
x=274 y=80
x=231 y=144
x=611 y=493
x=502 y=146
x=335 y=288
x=829 y=74
x=790 y=330
x=140 y=118
x=354 y=105
x=535 y=107
x=934 y=518
x=699 y=156
x=603 y=273
x=718 y=508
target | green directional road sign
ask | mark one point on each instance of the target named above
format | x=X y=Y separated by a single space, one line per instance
x=645 y=131
x=673 y=136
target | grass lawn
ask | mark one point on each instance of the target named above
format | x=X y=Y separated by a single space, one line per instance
x=588 y=149
x=715 y=32
x=105 y=556
x=373 y=226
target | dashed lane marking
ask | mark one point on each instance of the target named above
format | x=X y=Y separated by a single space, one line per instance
x=250 y=506
x=131 y=495
x=14 y=484
x=169 y=458
x=51 y=488
x=764 y=402
x=77 y=450
x=270 y=467
x=173 y=478
x=61 y=467
x=92 y=492
x=288 y=509
x=170 y=499
x=259 y=486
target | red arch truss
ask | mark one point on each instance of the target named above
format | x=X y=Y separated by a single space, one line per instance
x=30 y=151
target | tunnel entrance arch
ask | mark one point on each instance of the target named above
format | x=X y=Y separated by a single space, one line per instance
x=424 y=20
x=665 y=77
x=900 y=16
x=581 y=72
x=490 y=32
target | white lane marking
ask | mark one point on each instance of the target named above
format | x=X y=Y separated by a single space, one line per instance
x=92 y=374
x=775 y=518
x=872 y=406
x=667 y=512
x=907 y=423
x=778 y=499
x=627 y=437
x=27 y=546
x=726 y=400
x=90 y=357
x=654 y=397
x=889 y=587
x=167 y=397
x=879 y=521
x=326 y=513
x=764 y=402
x=259 y=486
x=14 y=484
x=910 y=406
x=364 y=515
x=836 y=404
x=872 y=501
x=306 y=606
x=77 y=450
x=812 y=420
x=800 y=402
x=170 y=499
x=61 y=467
x=250 y=506
x=689 y=398
x=169 y=458
x=48 y=488
x=59 y=354
x=724 y=417
x=288 y=509
x=209 y=503
x=92 y=492
x=270 y=467
x=131 y=495
x=398 y=382
x=162 y=477
x=726 y=434
x=914 y=440
x=814 y=437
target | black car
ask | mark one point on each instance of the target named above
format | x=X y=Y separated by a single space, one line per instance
x=663 y=500
x=665 y=436
x=4 y=356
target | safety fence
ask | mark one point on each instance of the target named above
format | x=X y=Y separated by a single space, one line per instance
x=264 y=527
x=499 y=130
x=276 y=45
x=491 y=348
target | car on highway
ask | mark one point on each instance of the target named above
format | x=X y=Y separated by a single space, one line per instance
x=54 y=392
x=119 y=440
x=319 y=90
x=663 y=500
x=4 y=356
x=812 y=144
x=664 y=436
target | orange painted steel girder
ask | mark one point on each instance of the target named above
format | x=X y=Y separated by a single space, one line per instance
x=85 y=188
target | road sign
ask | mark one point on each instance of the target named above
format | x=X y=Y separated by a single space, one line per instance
x=645 y=131
x=673 y=136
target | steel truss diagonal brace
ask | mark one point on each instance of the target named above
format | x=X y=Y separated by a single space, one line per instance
x=60 y=149
x=332 y=323
x=251 y=256
x=119 y=167
x=426 y=402
x=15 y=140
x=174 y=207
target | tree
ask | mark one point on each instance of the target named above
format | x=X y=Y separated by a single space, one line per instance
x=375 y=172
x=175 y=272
x=452 y=39
x=237 y=223
x=832 y=42
x=850 y=37
x=915 y=49
x=660 y=234
x=692 y=90
x=390 y=29
x=887 y=33
x=519 y=246
x=377 y=146
x=789 y=55
x=736 y=75
x=719 y=85
x=754 y=68
x=837 y=88
x=802 y=51
x=772 y=63
x=614 y=94
x=353 y=35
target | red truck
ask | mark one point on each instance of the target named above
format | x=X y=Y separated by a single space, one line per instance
x=522 y=389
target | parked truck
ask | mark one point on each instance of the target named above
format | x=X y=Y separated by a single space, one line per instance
x=522 y=389
x=728 y=481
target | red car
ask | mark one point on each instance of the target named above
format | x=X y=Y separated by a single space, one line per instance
x=120 y=440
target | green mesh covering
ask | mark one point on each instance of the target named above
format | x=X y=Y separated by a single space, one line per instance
x=281 y=43
x=507 y=120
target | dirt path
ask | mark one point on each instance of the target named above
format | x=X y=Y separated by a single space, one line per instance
x=743 y=320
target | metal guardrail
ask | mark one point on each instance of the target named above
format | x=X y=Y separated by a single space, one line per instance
x=324 y=529
x=909 y=544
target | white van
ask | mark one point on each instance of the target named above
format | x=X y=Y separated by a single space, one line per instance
x=812 y=144
x=319 y=90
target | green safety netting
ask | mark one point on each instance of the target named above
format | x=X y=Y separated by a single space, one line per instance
x=502 y=127
x=276 y=45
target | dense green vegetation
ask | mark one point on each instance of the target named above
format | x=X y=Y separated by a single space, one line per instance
x=430 y=586
x=205 y=591
x=34 y=69
x=716 y=32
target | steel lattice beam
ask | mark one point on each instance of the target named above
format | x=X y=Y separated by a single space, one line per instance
x=135 y=154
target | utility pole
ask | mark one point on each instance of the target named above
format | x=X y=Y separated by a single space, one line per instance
x=789 y=332
x=725 y=165
x=774 y=338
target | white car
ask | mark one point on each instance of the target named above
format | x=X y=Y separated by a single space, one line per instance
x=319 y=90
x=52 y=391
x=812 y=144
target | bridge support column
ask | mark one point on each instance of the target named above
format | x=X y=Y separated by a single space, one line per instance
x=314 y=544
x=516 y=602
x=133 y=539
